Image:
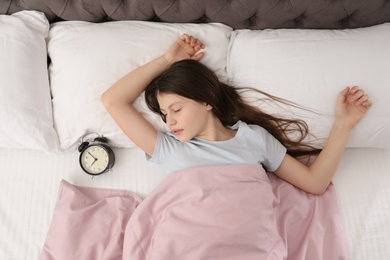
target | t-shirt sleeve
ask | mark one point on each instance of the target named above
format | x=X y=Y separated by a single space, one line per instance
x=274 y=152
x=165 y=146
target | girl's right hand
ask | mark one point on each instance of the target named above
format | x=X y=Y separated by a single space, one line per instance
x=185 y=47
x=353 y=103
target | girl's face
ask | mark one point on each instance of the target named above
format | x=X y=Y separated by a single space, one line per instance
x=185 y=117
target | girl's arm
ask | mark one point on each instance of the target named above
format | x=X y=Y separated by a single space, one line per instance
x=352 y=105
x=118 y=99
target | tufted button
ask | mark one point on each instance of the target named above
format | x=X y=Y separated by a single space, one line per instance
x=300 y=20
x=345 y=22
x=252 y=21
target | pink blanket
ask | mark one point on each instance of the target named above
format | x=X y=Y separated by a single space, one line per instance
x=216 y=212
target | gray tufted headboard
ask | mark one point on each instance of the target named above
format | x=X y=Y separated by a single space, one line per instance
x=239 y=14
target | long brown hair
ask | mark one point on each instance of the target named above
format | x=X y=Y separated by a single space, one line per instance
x=193 y=80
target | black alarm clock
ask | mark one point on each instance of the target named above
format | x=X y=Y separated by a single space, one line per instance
x=96 y=156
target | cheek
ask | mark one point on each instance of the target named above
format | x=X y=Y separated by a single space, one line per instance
x=187 y=116
x=202 y=112
x=196 y=122
x=193 y=115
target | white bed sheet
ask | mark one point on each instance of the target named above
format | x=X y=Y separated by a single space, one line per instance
x=362 y=184
x=29 y=183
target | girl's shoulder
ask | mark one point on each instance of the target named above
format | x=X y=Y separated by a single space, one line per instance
x=254 y=135
x=248 y=128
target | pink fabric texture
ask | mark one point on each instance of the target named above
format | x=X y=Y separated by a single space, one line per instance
x=213 y=212
x=88 y=223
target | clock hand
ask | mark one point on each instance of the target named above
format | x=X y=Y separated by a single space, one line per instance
x=92 y=156
x=94 y=161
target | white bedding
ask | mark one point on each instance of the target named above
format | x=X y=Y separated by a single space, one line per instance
x=29 y=183
x=363 y=189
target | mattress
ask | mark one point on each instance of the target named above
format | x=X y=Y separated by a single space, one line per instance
x=30 y=179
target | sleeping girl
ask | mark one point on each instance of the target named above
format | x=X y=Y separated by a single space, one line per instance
x=212 y=124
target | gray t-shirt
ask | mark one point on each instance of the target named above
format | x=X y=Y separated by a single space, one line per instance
x=252 y=144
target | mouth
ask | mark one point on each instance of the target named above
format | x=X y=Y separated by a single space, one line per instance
x=177 y=132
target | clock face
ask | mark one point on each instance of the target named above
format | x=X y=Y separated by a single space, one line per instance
x=94 y=159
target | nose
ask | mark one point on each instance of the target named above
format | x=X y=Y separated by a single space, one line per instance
x=170 y=120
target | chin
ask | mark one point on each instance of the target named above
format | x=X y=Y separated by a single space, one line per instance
x=184 y=138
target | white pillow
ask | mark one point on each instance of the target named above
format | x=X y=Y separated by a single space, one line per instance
x=25 y=112
x=87 y=58
x=311 y=67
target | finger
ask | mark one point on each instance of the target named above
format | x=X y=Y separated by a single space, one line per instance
x=359 y=93
x=362 y=99
x=199 y=47
x=198 y=56
x=354 y=93
x=190 y=39
x=193 y=42
x=184 y=37
x=344 y=93
x=367 y=103
x=354 y=89
x=196 y=42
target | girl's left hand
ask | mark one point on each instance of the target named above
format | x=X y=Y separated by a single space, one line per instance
x=185 y=47
x=352 y=105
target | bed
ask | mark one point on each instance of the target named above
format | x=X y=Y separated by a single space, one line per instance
x=57 y=57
